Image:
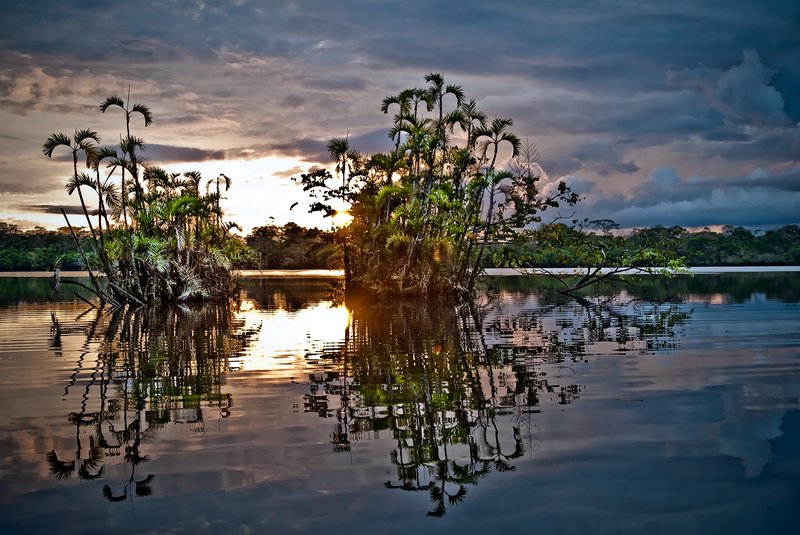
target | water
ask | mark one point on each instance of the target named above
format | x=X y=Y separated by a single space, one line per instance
x=641 y=410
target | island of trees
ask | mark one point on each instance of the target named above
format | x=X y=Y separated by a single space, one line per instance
x=457 y=193
x=156 y=236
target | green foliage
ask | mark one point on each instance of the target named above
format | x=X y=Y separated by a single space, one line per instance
x=564 y=246
x=156 y=237
x=424 y=215
x=292 y=247
x=40 y=249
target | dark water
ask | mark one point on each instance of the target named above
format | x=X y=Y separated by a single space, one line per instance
x=642 y=410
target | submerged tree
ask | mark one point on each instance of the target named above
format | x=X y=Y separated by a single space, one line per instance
x=157 y=237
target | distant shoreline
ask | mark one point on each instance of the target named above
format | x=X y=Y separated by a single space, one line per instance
x=492 y=272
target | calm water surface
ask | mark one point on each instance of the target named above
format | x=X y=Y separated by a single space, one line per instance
x=640 y=410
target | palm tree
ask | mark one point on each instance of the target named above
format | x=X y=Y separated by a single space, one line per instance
x=403 y=101
x=417 y=96
x=105 y=190
x=497 y=133
x=437 y=91
x=146 y=114
x=339 y=148
x=224 y=179
x=192 y=183
x=344 y=156
x=83 y=140
x=468 y=117
x=420 y=142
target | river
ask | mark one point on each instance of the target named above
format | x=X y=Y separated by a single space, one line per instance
x=634 y=409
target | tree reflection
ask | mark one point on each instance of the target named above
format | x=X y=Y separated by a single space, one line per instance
x=139 y=371
x=458 y=386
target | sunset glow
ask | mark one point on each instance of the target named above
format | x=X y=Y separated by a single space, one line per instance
x=653 y=122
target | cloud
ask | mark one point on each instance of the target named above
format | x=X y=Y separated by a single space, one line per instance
x=742 y=92
x=51 y=208
x=293 y=101
x=759 y=199
x=336 y=83
x=25 y=177
x=372 y=142
x=605 y=156
x=294 y=171
x=721 y=135
x=307 y=149
x=158 y=154
x=605 y=92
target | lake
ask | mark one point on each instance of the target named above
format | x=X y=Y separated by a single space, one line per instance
x=638 y=409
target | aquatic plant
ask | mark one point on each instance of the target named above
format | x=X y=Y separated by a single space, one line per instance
x=157 y=237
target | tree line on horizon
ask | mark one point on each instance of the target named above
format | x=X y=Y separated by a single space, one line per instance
x=291 y=246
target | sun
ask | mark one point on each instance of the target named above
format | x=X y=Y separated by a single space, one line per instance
x=342 y=218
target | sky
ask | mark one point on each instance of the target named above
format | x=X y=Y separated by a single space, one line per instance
x=659 y=113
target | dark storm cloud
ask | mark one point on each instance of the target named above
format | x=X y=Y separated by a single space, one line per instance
x=304 y=148
x=742 y=92
x=759 y=199
x=336 y=83
x=170 y=154
x=617 y=90
x=607 y=158
x=777 y=144
x=51 y=209
x=372 y=142
x=720 y=135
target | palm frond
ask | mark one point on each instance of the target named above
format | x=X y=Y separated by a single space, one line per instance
x=111 y=194
x=55 y=140
x=90 y=150
x=112 y=101
x=76 y=181
x=102 y=153
x=456 y=91
x=337 y=147
x=145 y=112
x=86 y=134
x=60 y=469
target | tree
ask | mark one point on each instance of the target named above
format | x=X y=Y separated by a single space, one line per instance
x=83 y=140
x=423 y=227
x=437 y=91
x=172 y=245
x=130 y=144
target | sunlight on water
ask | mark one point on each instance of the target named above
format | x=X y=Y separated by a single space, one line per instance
x=287 y=340
x=638 y=409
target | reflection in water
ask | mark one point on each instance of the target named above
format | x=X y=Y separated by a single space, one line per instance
x=677 y=407
x=137 y=372
x=456 y=387
x=440 y=379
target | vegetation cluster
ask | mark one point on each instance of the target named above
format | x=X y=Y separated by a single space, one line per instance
x=156 y=236
x=293 y=247
x=594 y=243
x=426 y=215
x=40 y=249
